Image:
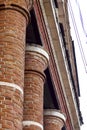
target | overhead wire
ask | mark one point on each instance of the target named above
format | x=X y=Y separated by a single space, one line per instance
x=81 y=18
x=77 y=35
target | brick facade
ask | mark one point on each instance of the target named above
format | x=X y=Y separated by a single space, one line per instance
x=36 y=61
x=13 y=21
x=22 y=69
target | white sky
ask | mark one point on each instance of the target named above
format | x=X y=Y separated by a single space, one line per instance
x=81 y=48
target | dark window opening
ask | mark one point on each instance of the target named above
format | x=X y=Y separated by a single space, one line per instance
x=50 y=101
x=32 y=32
x=73 y=48
x=74 y=88
x=63 y=128
x=63 y=34
x=62 y=29
x=56 y=3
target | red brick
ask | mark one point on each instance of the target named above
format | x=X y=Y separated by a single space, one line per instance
x=35 y=64
x=12 y=53
x=53 y=119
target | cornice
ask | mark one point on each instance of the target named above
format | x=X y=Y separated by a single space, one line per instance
x=57 y=63
x=48 y=44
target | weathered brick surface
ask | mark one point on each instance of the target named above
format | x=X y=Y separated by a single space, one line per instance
x=35 y=64
x=10 y=108
x=12 y=41
x=33 y=97
x=52 y=123
x=12 y=47
x=22 y=6
x=36 y=61
x=32 y=127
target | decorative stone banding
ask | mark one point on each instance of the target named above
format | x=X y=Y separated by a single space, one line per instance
x=38 y=50
x=29 y=123
x=55 y=113
x=53 y=119
x=15 y=86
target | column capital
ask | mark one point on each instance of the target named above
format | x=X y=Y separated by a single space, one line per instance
x=56 y=113
x=38 y=56
x=23 y=6
x=38 y=49
x=54 y=119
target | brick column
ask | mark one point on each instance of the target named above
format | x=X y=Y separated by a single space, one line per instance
x=36 y=62
x=53 y=120
x=14 y=16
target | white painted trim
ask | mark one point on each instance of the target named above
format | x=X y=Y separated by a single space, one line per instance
x=38 y=50
x=55 y=113
x=28 y=123
x=15 y=86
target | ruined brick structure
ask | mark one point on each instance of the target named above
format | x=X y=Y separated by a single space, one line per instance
x=38 y=79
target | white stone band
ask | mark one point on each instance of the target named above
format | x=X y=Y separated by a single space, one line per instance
x=38 y=50
x=28 y=123
x=15 y=86
x=56 y=114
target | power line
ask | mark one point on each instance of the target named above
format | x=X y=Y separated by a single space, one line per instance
x=77 y=35
x=81 y=18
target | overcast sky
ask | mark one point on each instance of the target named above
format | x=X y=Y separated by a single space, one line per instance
x=78 y=20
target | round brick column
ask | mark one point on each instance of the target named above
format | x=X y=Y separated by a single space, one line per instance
x=14 y=16
x=36 y=62
x=53 y=120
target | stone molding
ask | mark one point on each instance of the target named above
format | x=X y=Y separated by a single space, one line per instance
x=15 y=86
x=29 y=123
x=38 y=49
x=56 y=113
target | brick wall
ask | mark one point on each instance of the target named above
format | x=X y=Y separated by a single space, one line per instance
x=35 y=64
x=14 y=17
x=13 y=20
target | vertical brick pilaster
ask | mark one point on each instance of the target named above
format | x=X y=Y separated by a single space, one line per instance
x=35 y=63
x=13 y=19
x=53 y=120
